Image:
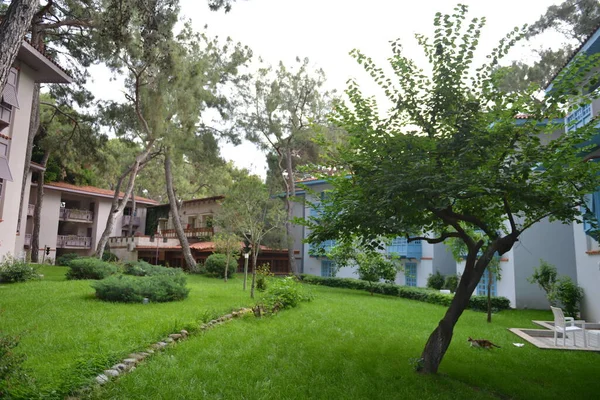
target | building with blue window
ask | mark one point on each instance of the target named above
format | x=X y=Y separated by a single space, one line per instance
x=418 y=259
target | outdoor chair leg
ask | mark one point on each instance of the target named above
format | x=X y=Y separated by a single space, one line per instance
x=555 y=337
x=564 y=338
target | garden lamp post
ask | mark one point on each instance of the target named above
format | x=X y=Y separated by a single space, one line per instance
x=246 y=255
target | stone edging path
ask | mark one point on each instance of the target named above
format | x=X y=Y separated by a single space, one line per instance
x=129 y=364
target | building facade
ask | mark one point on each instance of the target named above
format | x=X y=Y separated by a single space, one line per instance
x=30 y=67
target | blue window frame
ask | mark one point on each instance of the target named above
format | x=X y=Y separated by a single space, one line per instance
x=410 y=274
x=327 y=268
x=579 y=117
x=483 y=284
x=592 y=202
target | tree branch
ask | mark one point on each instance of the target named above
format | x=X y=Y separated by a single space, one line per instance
x=511 y=218
x=444 y=236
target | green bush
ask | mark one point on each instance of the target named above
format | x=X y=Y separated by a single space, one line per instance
x=215 y=265
x=406 y=292
x=142 y=268
x=567 y=294
x=109 y=257
x=15 y=270
x=263 y=273
x=65 y=259
x=285 y=293
x=435 y=281
x=90 y=268
x=451 y=282
x=133 y=289
x=199 y=269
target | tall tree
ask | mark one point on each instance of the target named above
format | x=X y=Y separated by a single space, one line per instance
x=451 y=154
x=283 y=106
x=251 y=212
x=15 y=23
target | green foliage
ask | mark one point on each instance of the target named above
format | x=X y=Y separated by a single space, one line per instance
x=285 y=292
x=408 y=292
x=451 y=282
x=65 y=259
x=109 y=257
x=16 y=270
x=131 y=289
x=215 y=265
x=263 y=273
x=90 y=268
x=544 y=276
x=14 y=381
x=436 y=281
x=142 y=268
x=567 y=294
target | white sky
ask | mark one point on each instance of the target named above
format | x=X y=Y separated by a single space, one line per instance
x=326 y=30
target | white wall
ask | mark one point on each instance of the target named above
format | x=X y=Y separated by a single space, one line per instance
x=49 y=222
x=587 y=258
x=505 y=287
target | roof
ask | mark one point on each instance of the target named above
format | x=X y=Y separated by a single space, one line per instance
x=48 y=71
x=206 y=247
x=36 y=166
x=192 y=201
x=584 y=46
x=99 y=192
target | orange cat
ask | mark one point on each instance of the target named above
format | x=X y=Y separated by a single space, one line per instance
x=481 y=343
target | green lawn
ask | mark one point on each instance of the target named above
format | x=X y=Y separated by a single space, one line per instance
x=344 y=345
x=68 y=335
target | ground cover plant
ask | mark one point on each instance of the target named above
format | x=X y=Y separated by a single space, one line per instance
x=16 y=270
x=69 y=336
x=349 y=345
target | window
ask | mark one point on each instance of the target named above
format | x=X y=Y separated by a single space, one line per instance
x=483 y=284
x=1 y=187
x=327 y=268
x=410 y=274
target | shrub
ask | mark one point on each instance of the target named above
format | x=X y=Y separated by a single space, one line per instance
x=263 y=272
x=215 y=265
x=142 y=268
x=109 y=257
x=15 y=270
x=568 y=294
x=451 y=282
x=90 y=268
x=65 y=259
x=285 y=293
x=407 y=292
x=544 y=276
x=133 y=289
x=199 y=268
x=435 y=281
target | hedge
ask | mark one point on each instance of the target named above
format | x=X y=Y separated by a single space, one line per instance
x=406 y=292
x=133 y=289
x=90 y=268
x=142 y=268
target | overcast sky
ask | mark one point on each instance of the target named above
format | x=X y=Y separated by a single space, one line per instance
x=326 y=30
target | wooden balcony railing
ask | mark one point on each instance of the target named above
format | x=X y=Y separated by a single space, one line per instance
x=30 y=209
x=190 y=233
x=73 y=241
x=72 y=214
x=128 y=219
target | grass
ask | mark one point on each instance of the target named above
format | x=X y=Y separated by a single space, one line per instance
x=349 y=345
x=344 y=345
x=68 y=335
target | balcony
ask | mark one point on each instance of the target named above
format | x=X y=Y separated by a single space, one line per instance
x=30 y=209
x=402 y=248
x=27 y=240
x=74 y=215
x=190 y=233
x=579 y=117
x=73 y=242
x=129 y=219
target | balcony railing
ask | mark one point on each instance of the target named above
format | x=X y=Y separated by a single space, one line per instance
x=27 y=239
x=73 y=241
x=579 y=117
x=72 y=214
x=190 y=233
x=403 y=248
x=129 y=219
x=30 y=209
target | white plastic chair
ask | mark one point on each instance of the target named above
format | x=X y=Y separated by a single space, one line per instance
x=560 y=325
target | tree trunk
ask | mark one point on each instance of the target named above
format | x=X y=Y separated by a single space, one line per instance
x=245 y=271
x=37 y=212
x=118 y=206
x=34 y=125
x=440 y=338
x=185 y=245
x=255 y=250
x=14 y=25
x=289 y=207
x=489 y=296
x=132 y=216
x=227 y=263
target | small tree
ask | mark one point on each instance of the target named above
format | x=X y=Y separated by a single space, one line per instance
x=227 y=243
x=544 y=276
x=559 y=291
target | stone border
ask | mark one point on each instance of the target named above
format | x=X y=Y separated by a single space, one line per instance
x=130 y=363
